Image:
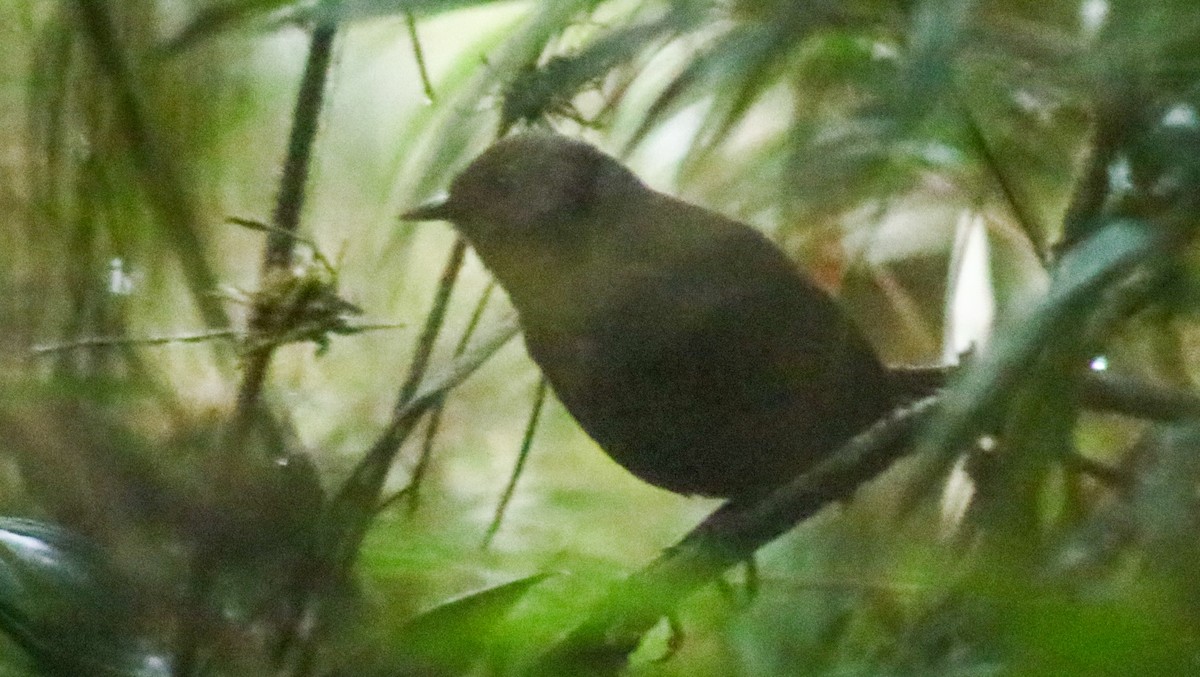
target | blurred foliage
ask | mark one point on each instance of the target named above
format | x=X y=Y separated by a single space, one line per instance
x=944 y=166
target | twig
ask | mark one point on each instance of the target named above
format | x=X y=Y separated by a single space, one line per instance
x=375 y=465
x=1113 y=118
x=601 y=645
x=123 y=341
x=1102 y=391
x=251 y=224
x=539 y=401
x=349 y=512
x=410 y=23
x=231 y=334
x=1007 y=187
x=433 y=324
x=280 y=245
x=413 y=490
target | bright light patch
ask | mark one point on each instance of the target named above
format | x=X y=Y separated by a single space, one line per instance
x=972 y=299
x=1092 y=15
x=120 y=282
x=1181 y=116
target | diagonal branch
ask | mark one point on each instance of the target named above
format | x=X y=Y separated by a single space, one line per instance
x=350 y=512
x=601 y=645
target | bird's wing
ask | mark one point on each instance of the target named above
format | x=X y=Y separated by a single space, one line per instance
x=707 y=368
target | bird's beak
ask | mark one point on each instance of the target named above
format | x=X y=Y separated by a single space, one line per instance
x=436 y=209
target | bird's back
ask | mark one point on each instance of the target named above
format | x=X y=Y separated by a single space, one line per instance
x=706 y=364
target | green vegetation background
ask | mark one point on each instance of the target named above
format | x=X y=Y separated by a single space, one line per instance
x=165 y=516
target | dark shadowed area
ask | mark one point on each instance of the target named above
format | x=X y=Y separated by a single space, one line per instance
x=253 y=422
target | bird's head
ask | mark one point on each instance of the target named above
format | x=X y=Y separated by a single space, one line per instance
x=535 y=185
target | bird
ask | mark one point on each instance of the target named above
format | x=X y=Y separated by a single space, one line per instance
x=685 y=343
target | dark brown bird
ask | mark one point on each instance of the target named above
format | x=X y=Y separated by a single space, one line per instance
x=685 y=343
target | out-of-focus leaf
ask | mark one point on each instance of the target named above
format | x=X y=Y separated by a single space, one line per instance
x=216 y=20
x=1108 y=255
x=1025 y=136
x=269 y=14
x=674 y=95
x=1057 y=633
x=752 y=58
x=453 y=636
x=351 y=511
x=167 y=192
x=1165 y=507
x=350 y=10
x=62 y=602
x=833 y=167
x=742 y=63
x=417 y=180
x=936 y=34
x=536 y=92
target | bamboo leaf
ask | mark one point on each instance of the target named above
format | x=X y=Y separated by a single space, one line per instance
x=62 y=602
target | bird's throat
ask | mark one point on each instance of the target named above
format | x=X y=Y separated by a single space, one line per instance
x=546 y=284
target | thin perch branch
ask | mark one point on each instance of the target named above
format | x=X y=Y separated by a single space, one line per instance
x=535 y=414
x=601 y=645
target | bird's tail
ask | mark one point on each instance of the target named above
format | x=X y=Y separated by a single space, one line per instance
x=915 y=382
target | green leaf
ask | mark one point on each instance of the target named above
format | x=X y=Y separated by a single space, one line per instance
x=214 y=21
x=937 y=33
x=457 y=634
x=351 y=10
x=538 y=92
x=1083 y=274
x=63 y=603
